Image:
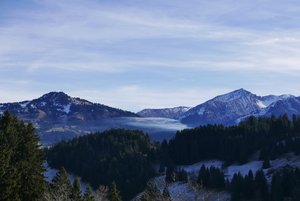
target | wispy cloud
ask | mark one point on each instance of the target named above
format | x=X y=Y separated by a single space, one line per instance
x=116 y=45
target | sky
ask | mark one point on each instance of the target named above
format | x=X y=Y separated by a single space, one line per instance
x=138 y=54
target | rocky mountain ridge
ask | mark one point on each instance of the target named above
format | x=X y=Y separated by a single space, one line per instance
x=58 y=116
x=164 y=113
x=58 y=107
x=231 y=108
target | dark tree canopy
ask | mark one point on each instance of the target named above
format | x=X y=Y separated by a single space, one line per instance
x=116 y=155
x=236 y=143
x=21 y=166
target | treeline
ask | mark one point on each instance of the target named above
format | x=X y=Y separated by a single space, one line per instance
x=234 y=143
x=249 y=187
x=285 y=184
x=116 y=155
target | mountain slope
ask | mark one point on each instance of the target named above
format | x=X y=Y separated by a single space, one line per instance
x=231 y=108
x=58 y=116
x=58 y=107
x=164 y=113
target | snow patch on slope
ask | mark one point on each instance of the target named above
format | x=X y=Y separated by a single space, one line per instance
x=24 y=104
x=67 y=108
x=201 y=111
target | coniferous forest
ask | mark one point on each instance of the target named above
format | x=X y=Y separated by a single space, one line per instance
x=236 y=143
x=118 y=155
x=124 y=160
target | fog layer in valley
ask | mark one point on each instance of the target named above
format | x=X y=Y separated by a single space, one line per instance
x=157 y=128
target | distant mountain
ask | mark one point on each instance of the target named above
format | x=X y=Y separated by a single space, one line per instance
x=164 y=113
x=58 y=107
x=231 y=108
x=58 y=116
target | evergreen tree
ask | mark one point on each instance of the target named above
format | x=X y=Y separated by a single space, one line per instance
x=88 y=194
x=152 y=193
x=248 y=190
x=276 y=188
x=237 y=187
x=9 y=175
x=61 y=183
x=170 y=173
x=21 y=166
x=249 y=186
x=114 y=193
x=31 y=168
x=287 y=182
x=262 y=184
x=266 y=164
x=146 y=196
x=76 y=190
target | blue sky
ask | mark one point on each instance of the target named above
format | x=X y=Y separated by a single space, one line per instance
x=138 y=54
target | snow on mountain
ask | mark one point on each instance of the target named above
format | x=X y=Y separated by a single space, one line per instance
x=58 y=107
x=164 y=113
x=231 y=108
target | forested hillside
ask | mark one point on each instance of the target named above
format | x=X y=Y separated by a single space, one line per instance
x=116 y=155
x=236 y=143
x=125 y=156
x=124 y=159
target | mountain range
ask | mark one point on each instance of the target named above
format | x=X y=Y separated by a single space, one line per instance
x=233 y=107
x=58 y=116
x=164 y=113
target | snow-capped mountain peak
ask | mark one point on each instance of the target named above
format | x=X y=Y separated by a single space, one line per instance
x=233 y=95
x=232 y=107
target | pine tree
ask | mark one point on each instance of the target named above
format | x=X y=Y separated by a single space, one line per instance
x=32 y=183
x=114 y=193
x=266 y=164
x=146 y=196
x=9 y=175
x=21 y=168
x=170 y=173
x=249 y=187
x=276 y=188
x=262 y=184
x=76 y=190
x=61 y=183
x=237 y=187
x=152 y=192
x=88 y=195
